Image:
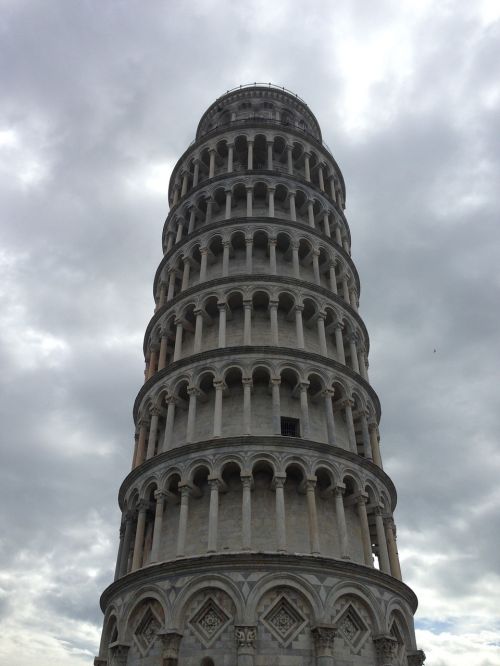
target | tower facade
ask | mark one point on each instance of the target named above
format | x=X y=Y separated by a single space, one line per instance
x=257 y=521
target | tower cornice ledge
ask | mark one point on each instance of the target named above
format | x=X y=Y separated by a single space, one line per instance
x=261 y=441
x=257 y=561
x=261 y=350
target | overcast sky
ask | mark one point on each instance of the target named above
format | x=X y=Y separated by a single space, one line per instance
x=98 y=100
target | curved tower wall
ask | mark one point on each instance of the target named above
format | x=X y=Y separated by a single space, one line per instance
x=257 y=519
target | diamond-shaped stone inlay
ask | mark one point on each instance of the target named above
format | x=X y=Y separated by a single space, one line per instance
x=352 y=628
x=284 y=620
x=209 y=621
x=146 y=631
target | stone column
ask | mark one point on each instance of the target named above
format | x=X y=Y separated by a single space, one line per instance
x=163 y=294
x=367 y=449
x=230 y=148
x=345 y=289
x=127 y=542
x=321 y=333
x=246 y=512
x=324 y=638
x=153 y=431
x=170 y=241
x=330 y=421
x=338 y=235
x=353 y=299
x=178 y=340
x=299 y=328
x=272 y=256
x=196 y=173
x=171 y=641
x=289 y=159
x=171 y=284
x=192 y=220
x=247 y=324
x=198 y=330
x=279 y=482
x=160 y=496
x=250 y=155
x=339 y=342
x=180 y=229
x=275 y=388
x=270 y=191
x=310 y=213
x=222 y=307
x=348 y=405
x=141 y=445
x=312 y=515
x=354 y=353
x=169 y=425
x=362 y=364
x=326 y=225
x=315 y=260
x=383 y=554
x=385 y=650
x=225 y=257
x=139 y=535
x=295 y=260
x=248 y=258
x=162 y=360
x=373 y=429
x=118 y=653
x=228 y=204
x=338 y=493
x=270 y=164
x=365 y=530
x=293 y=213
x=193 y=393
x=153 y=360
x=203 y=264
x=304 y=408
x=392 y=548
x=332 y=188
x=321 y=178
x=247 y=405
x=273 y=314
x=208 y=214
x=183 y=518
x=211 y=168
x=136 y=446
x=245 y=636
x=213 y=514
x=176 y=194
x=120 y=550
x=307 y=168
x=219 y=386
x=249 y=189
x=333 y=278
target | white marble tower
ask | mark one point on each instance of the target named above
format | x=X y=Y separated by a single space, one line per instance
x=257 y=519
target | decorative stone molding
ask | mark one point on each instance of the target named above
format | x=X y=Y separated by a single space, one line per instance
x=170 y=641
x=324 y=638
x=245 y=635
x=119 y=653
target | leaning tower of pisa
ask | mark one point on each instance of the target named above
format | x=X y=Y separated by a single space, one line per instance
x=257 y=520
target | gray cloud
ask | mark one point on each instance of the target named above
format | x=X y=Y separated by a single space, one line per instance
x=97 y=103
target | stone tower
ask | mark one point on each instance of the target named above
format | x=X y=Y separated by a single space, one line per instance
x=257 y=521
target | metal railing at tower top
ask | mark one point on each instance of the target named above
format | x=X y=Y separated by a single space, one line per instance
x=262 y=118
x=263 y=85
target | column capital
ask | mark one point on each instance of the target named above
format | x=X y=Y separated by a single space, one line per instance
x=143 y=421
x=246 y=480
x=278 y=482
x=215 y=482
x=385 y=649
x=415 y=657
x=219 y=385
x=275 y=381
x=273 y=241
x=298 y=307
x=303 y=386
x=171 y=400
x=361 y=498
x=348 y=402
x=193 y=390
x=373 y=427
x=160 y=494
x=311 y=482
x=339 y=489
x=119 y=652
x=143 y=505
x=328 y=392
x=170 y=640
x=324 y=638
x=273 y=303
x=222 y=305
x=155 y=411
x=247 y=381
x=247 y=303
x=339 y=324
